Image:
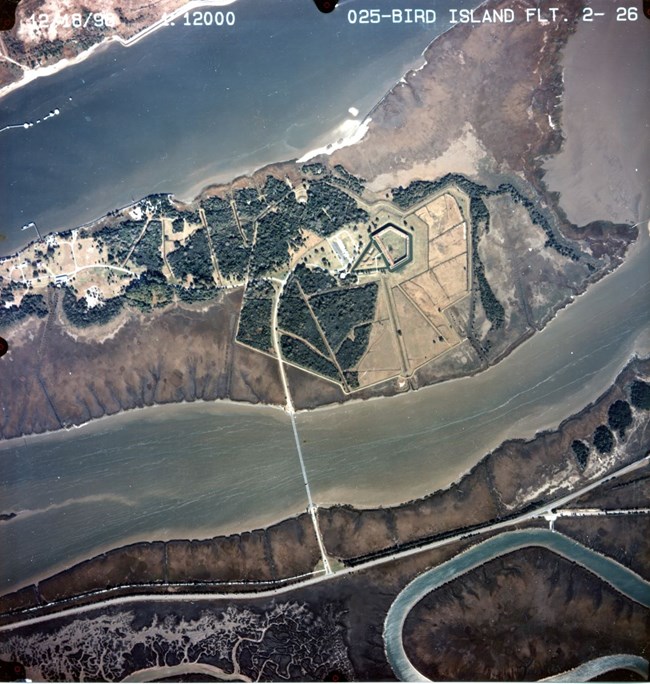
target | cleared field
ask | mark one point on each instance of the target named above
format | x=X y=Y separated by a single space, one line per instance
x=452 y=276
x=381 y=361
x=448 y=245
x=431 y=307
x=420 y=337
x=440 y=214
x=427 y=292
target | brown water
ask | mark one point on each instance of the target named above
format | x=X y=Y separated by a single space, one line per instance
x=198 y=469
x=604 y=167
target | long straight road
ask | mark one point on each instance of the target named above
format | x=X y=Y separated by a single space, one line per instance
x=318 y=576
x=311 y=507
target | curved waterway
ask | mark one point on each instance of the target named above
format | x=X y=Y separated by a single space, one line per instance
x=188 y=105
x=600 y=666
x=621 y=578
x=195 y=470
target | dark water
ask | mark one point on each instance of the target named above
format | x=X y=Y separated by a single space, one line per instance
x=187 y=105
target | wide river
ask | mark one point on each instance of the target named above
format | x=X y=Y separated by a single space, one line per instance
x=199 y=469
x=190 y=104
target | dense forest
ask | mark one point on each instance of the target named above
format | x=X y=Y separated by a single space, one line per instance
x=117 y=239
x=278 y=230
x=294 y=317
x=150 y=291
x=339 y=311
x=603 y=439
x=640 y=395
x=314 y=280
x=619 y=419
x=354 y=347
x=328 y=209
x=255 y=317
x=344 y=313
x=347 y=180
x=30 y=305
x=80 y=314
x=194 y=259
x=232 y=254
x=299 y=353
x=147 y=251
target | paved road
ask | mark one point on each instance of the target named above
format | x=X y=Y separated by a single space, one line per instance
x=103 y=595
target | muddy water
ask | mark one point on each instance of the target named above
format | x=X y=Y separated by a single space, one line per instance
x=604 y=167
x=389 y=450
x=200 y=469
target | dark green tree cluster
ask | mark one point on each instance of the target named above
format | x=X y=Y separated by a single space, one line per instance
x=640 y=395
x=255 y=318
x=354 y=347
x=340 y=311
x=314 y=280
x=231 y=252
x=118 y=238
x=299 y=353
x=352 y=378
x=163 y=206
x=194 y=259
x=249 y=207
x=30 y=305
x=147 y=251
x=345 y=315
x=6 y=293
x=619 y=417
x=79 y=314
x=196 y=294
x=274 y=190
x=294 y=317
x=315 y=169
x=277 y=232
x=248 y=203
x=492 y=306
x=416 y=191
x=538 y=218
x=419 y=190
x=178 y=225
x=581 y=452
x=603 y=439
x=347 y=180
x=328 y=209
x=150 y=291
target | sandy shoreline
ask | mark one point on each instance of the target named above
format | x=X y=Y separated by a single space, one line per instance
x=30 y=75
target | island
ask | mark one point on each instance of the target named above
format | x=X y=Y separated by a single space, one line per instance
x=429 y=250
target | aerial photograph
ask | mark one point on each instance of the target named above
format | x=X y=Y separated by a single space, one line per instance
x=324 y=340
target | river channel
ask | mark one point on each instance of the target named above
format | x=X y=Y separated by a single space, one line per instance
x=200 y=469
x=620 y=577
